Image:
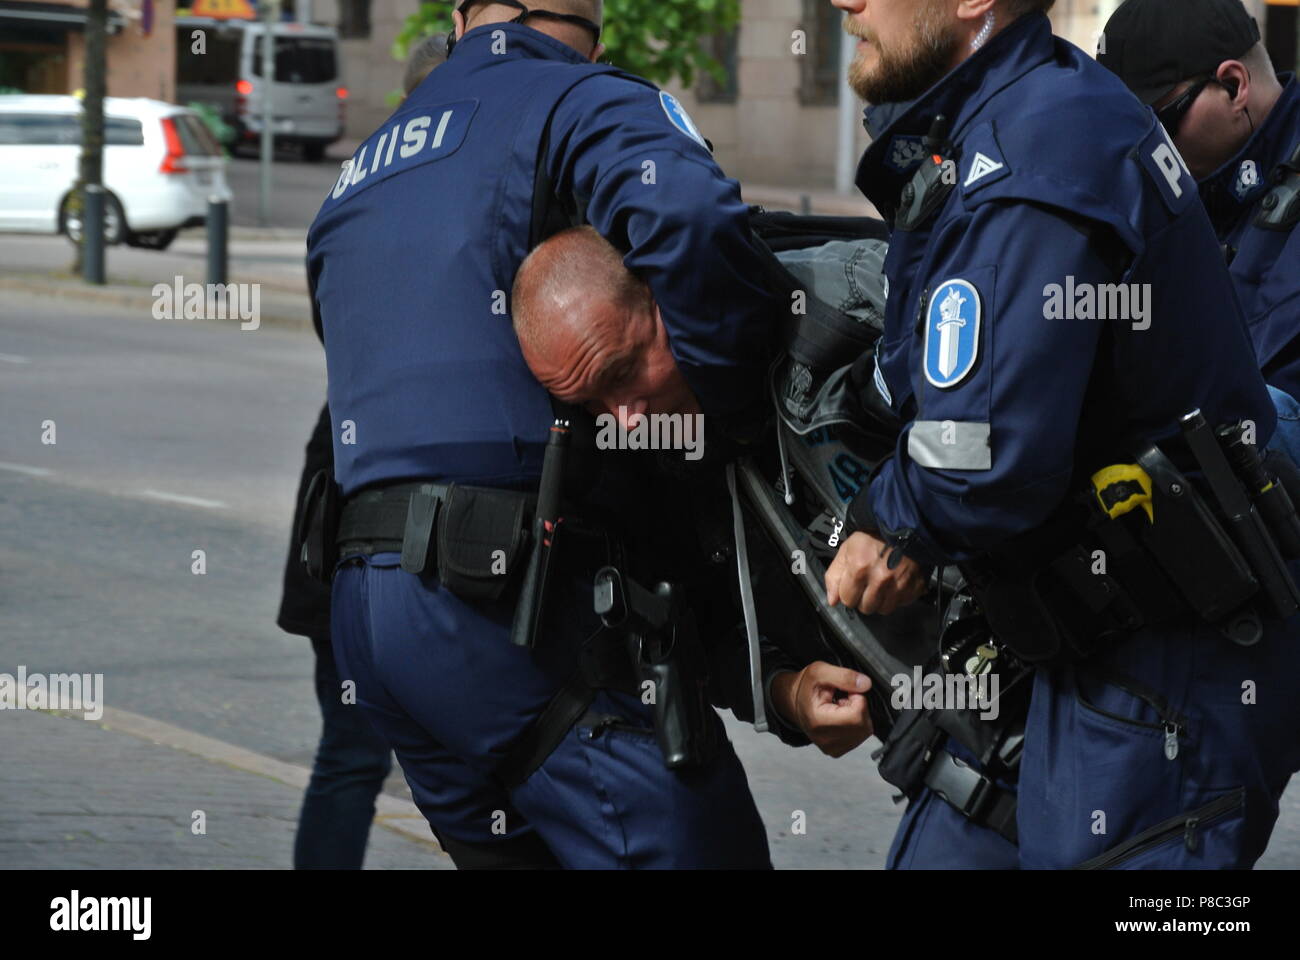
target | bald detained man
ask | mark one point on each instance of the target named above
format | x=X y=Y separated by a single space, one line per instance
x=592 y=334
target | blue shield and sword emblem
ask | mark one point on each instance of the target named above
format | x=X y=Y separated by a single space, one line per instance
x=952 y=333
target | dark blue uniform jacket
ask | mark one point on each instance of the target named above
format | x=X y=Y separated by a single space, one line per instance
x=413 y=254
x=1066 y=302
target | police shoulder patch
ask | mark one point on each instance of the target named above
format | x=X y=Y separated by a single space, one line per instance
x=952 y=333
x=983 y=162
x=680 y=119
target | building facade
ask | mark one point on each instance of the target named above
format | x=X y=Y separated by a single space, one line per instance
x=773 y=122
x=42 y=47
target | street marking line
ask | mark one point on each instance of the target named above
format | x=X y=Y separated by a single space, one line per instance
x=26 y=470
x=13 y=358
x=187 y=501
x=392 y=813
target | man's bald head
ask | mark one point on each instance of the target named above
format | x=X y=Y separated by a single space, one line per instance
x=563 y=275
x=590 y=331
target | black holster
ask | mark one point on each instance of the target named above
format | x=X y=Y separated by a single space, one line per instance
x=685 y=726
x=665 y=649
x=1049 y=601
x=318 y=526
x=482 y=536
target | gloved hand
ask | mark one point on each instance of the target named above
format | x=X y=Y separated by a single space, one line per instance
x=828 y=703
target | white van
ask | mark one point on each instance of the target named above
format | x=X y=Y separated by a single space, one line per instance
x=219 y=63
x=161 y=164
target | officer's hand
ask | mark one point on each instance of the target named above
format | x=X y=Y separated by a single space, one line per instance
x=827 y=703
x=860 y=577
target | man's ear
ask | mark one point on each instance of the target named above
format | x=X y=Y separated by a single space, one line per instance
x=597 y=53
x=458 y=23
x=974 y=9
x=1233 y=76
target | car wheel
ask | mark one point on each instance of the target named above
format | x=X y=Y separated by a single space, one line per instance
x=313 y=152
x=151 y=239
x=114 y=220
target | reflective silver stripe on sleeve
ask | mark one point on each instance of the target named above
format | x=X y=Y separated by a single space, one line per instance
x=950 y=445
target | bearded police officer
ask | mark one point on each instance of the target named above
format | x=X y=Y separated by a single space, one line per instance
x=1201 y=65
x=1058 y=311
x=439 y=433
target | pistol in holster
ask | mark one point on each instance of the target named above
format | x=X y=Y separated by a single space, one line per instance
x=665 y=649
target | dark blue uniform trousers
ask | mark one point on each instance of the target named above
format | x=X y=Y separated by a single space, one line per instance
x=442 y=683
x=1096 y=769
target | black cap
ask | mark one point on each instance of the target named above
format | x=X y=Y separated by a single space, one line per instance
x=1153 y=45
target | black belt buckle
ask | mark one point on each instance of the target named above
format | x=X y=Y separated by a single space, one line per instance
x=960 y=784
x=418 y=554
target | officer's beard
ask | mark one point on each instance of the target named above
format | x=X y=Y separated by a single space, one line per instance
x=902 y=74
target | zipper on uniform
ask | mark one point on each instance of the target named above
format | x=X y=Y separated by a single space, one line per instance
x=1186 y=824
x=1171 y=722
x=1171 y=741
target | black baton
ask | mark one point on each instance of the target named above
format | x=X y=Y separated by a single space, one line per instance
x=546 y=524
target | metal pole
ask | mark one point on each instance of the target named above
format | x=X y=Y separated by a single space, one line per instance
x=218 y=219
x=92 y=144
x=847 y=149
x=92 y=233
x=267 y=88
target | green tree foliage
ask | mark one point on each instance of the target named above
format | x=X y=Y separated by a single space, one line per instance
x=656 y=39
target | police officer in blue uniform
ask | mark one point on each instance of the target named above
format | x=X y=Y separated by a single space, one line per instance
x=1201 y=65
x=1057 y=302
x=439 y=433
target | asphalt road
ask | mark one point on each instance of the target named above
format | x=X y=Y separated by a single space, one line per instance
x=173 y=437
x=297 y=189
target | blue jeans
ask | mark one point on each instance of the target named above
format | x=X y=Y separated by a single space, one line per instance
x=351 y=764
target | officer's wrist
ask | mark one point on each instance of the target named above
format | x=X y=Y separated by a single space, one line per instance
x=861 y=518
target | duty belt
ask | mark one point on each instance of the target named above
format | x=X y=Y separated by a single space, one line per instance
x=448 y=528
x=374 y=521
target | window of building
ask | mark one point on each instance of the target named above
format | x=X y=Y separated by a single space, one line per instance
x=354 y=19
x=820 y=82
x=724 y=48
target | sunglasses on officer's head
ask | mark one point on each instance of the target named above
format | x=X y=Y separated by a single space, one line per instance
x=525 y=13
x=1171 y=114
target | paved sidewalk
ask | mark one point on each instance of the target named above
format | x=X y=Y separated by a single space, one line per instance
x=76 y=794
x=273 y=259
